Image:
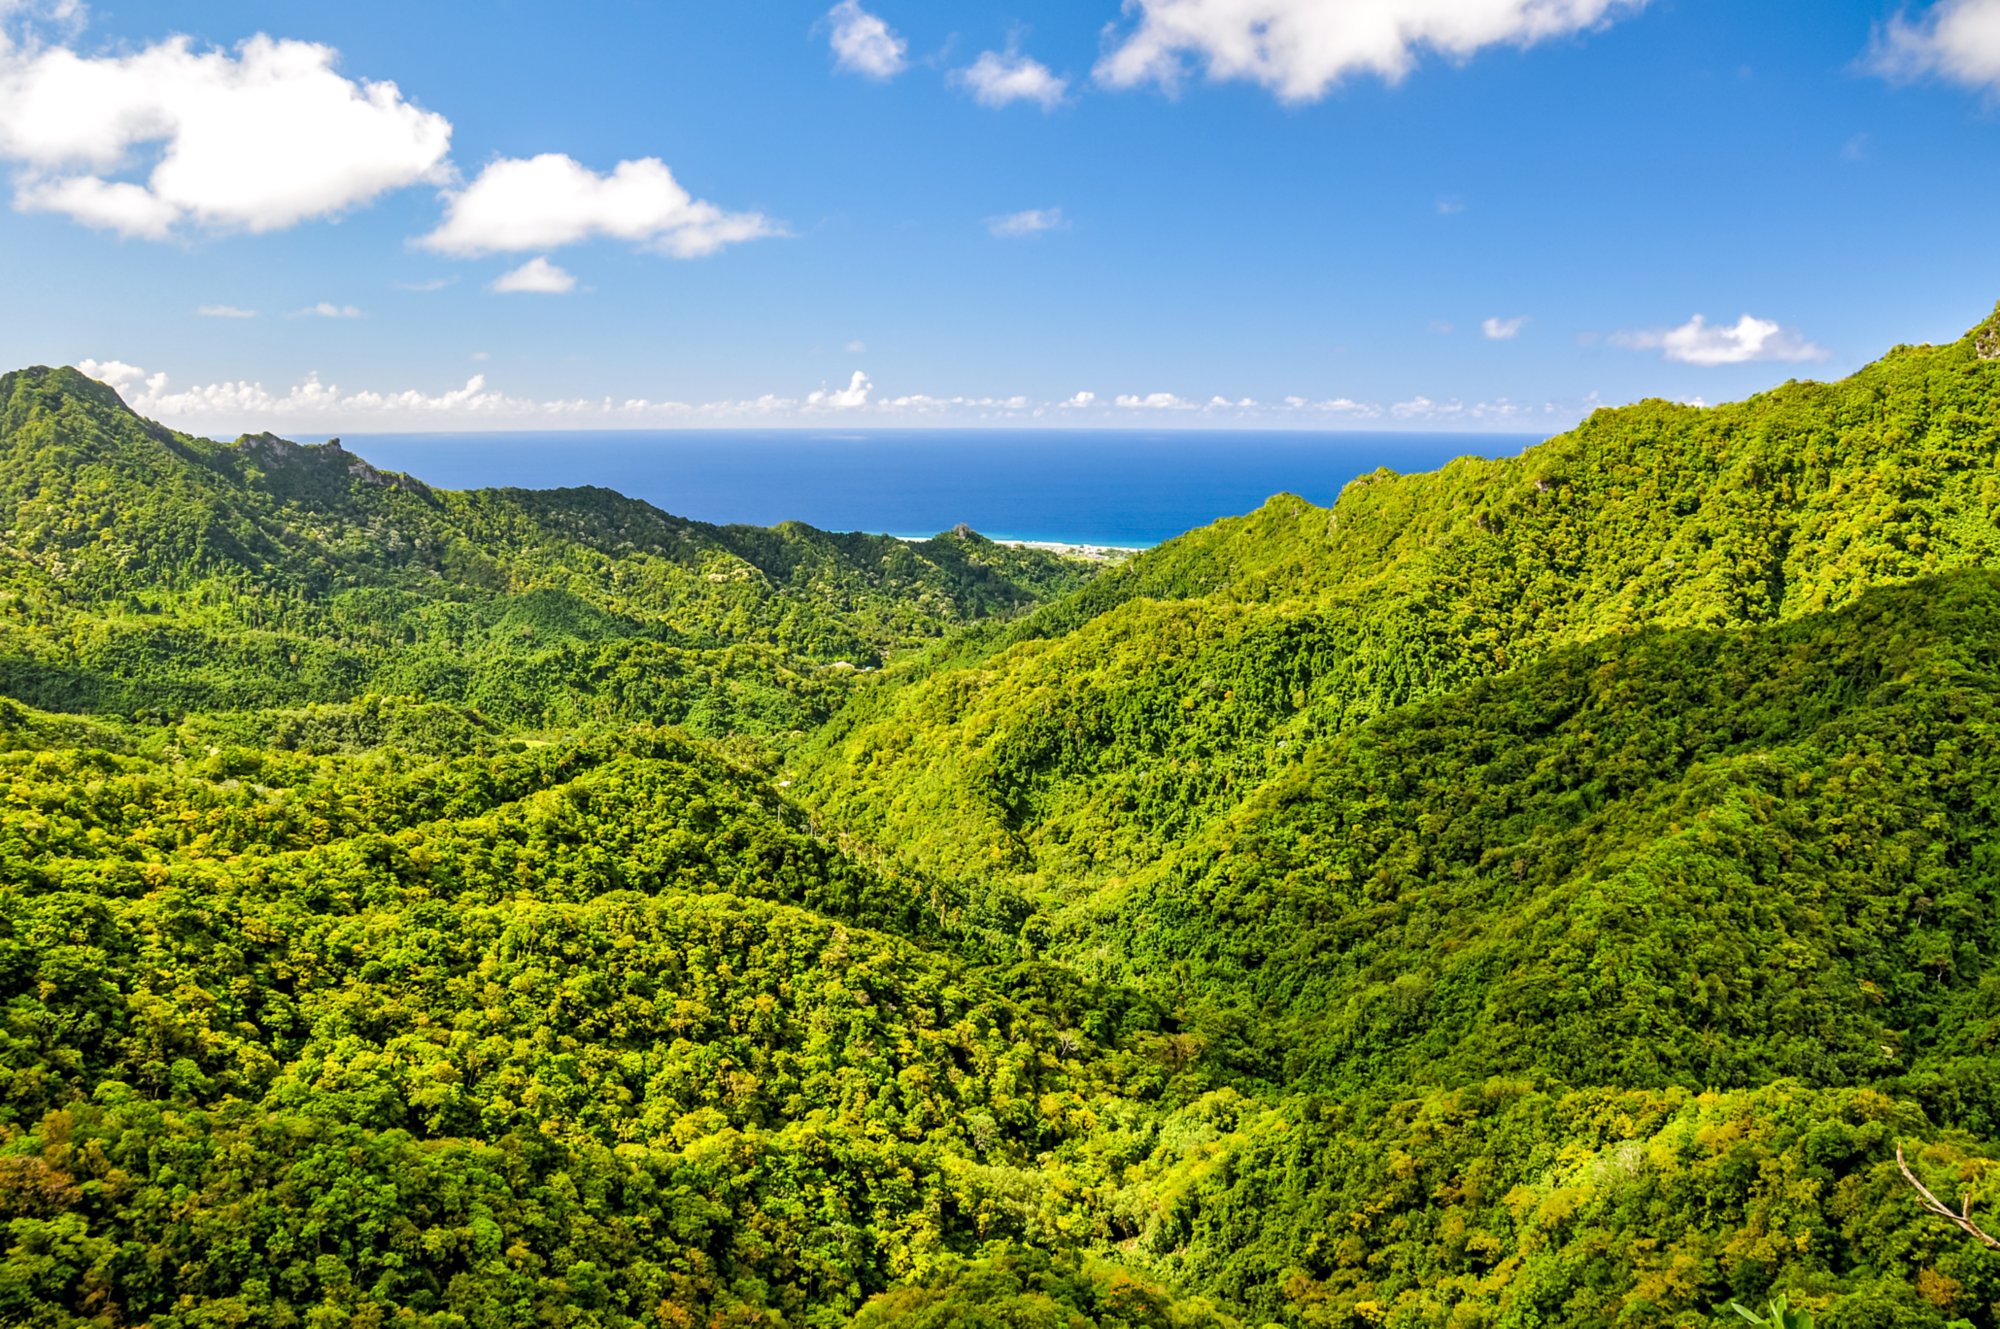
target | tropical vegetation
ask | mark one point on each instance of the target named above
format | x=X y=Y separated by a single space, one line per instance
x=1540 y=892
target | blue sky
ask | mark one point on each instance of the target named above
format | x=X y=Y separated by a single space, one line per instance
x=1322 y=236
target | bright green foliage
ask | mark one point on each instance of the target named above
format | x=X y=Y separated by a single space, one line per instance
x=1779 y=1314
x=1106 y=726
x=1693 y=858
x=1013 y=1288
x=148 y=573
x=1539 y=893
x=1503 y=1204
x=615 y=1002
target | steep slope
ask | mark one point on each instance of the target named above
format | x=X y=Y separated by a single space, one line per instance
x=1541 y=893
x=1694 y=858
x=606 y=1030
x=1080 y=743
x=276 y=574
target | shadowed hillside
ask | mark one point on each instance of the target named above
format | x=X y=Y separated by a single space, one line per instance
x=1537 y=893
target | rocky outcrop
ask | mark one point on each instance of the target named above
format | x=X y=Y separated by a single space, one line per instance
x=270 y=450
x=1986 y=338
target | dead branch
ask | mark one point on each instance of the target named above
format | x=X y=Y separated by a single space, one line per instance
x=1962 y=1218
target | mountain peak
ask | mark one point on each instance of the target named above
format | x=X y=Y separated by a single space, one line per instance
x=44 y=383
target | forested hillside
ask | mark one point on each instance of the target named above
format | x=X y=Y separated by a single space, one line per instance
x=1108 y=724
x=151 y=574
x=1537 y=893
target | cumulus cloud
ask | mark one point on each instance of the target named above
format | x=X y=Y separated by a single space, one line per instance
x=230 y=407
x=1698 y=342
x=1031 y=222
x=258 y=140
x=327 y=309
x=245 y=404
x=537 y=276
x=225 y=311
x=1503 y=329
x=1300 y=49
x=863 y=44
x=850 y=398
x=1957 y=40
x=552 y=200
x=996 y=79
x=105 y=205
x=121 y=377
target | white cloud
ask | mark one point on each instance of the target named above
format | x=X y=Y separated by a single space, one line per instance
x=552 y=200
x=1957 y=40
x=1301 y=48
x=433 y=284
x=1449 y=206
x=925 y=404
x=863 y=44
x=232 y=407
x=1031 y=222
x=225 y=311
x=251 y=404
x=1697 y=342
x=1501 y=411
x=997 y=79
x=327 y=309
x=105 y=205
x=260 y=140
x=852 y=397
x=119 y=375
x=1503 y=329
x=1345 y=407
x=538 y=276
x=857 y=347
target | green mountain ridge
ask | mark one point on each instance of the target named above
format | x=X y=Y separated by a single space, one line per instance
x=1540 y=892
x=1297 y=621
x=317 y=578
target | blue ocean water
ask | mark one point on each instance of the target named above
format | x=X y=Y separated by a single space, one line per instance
x=1097 y=487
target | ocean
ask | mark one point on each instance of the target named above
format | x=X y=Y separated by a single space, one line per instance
x=1112 y=488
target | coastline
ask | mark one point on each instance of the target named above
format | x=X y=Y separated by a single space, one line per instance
x=1092 y=552
x=1089 y=552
